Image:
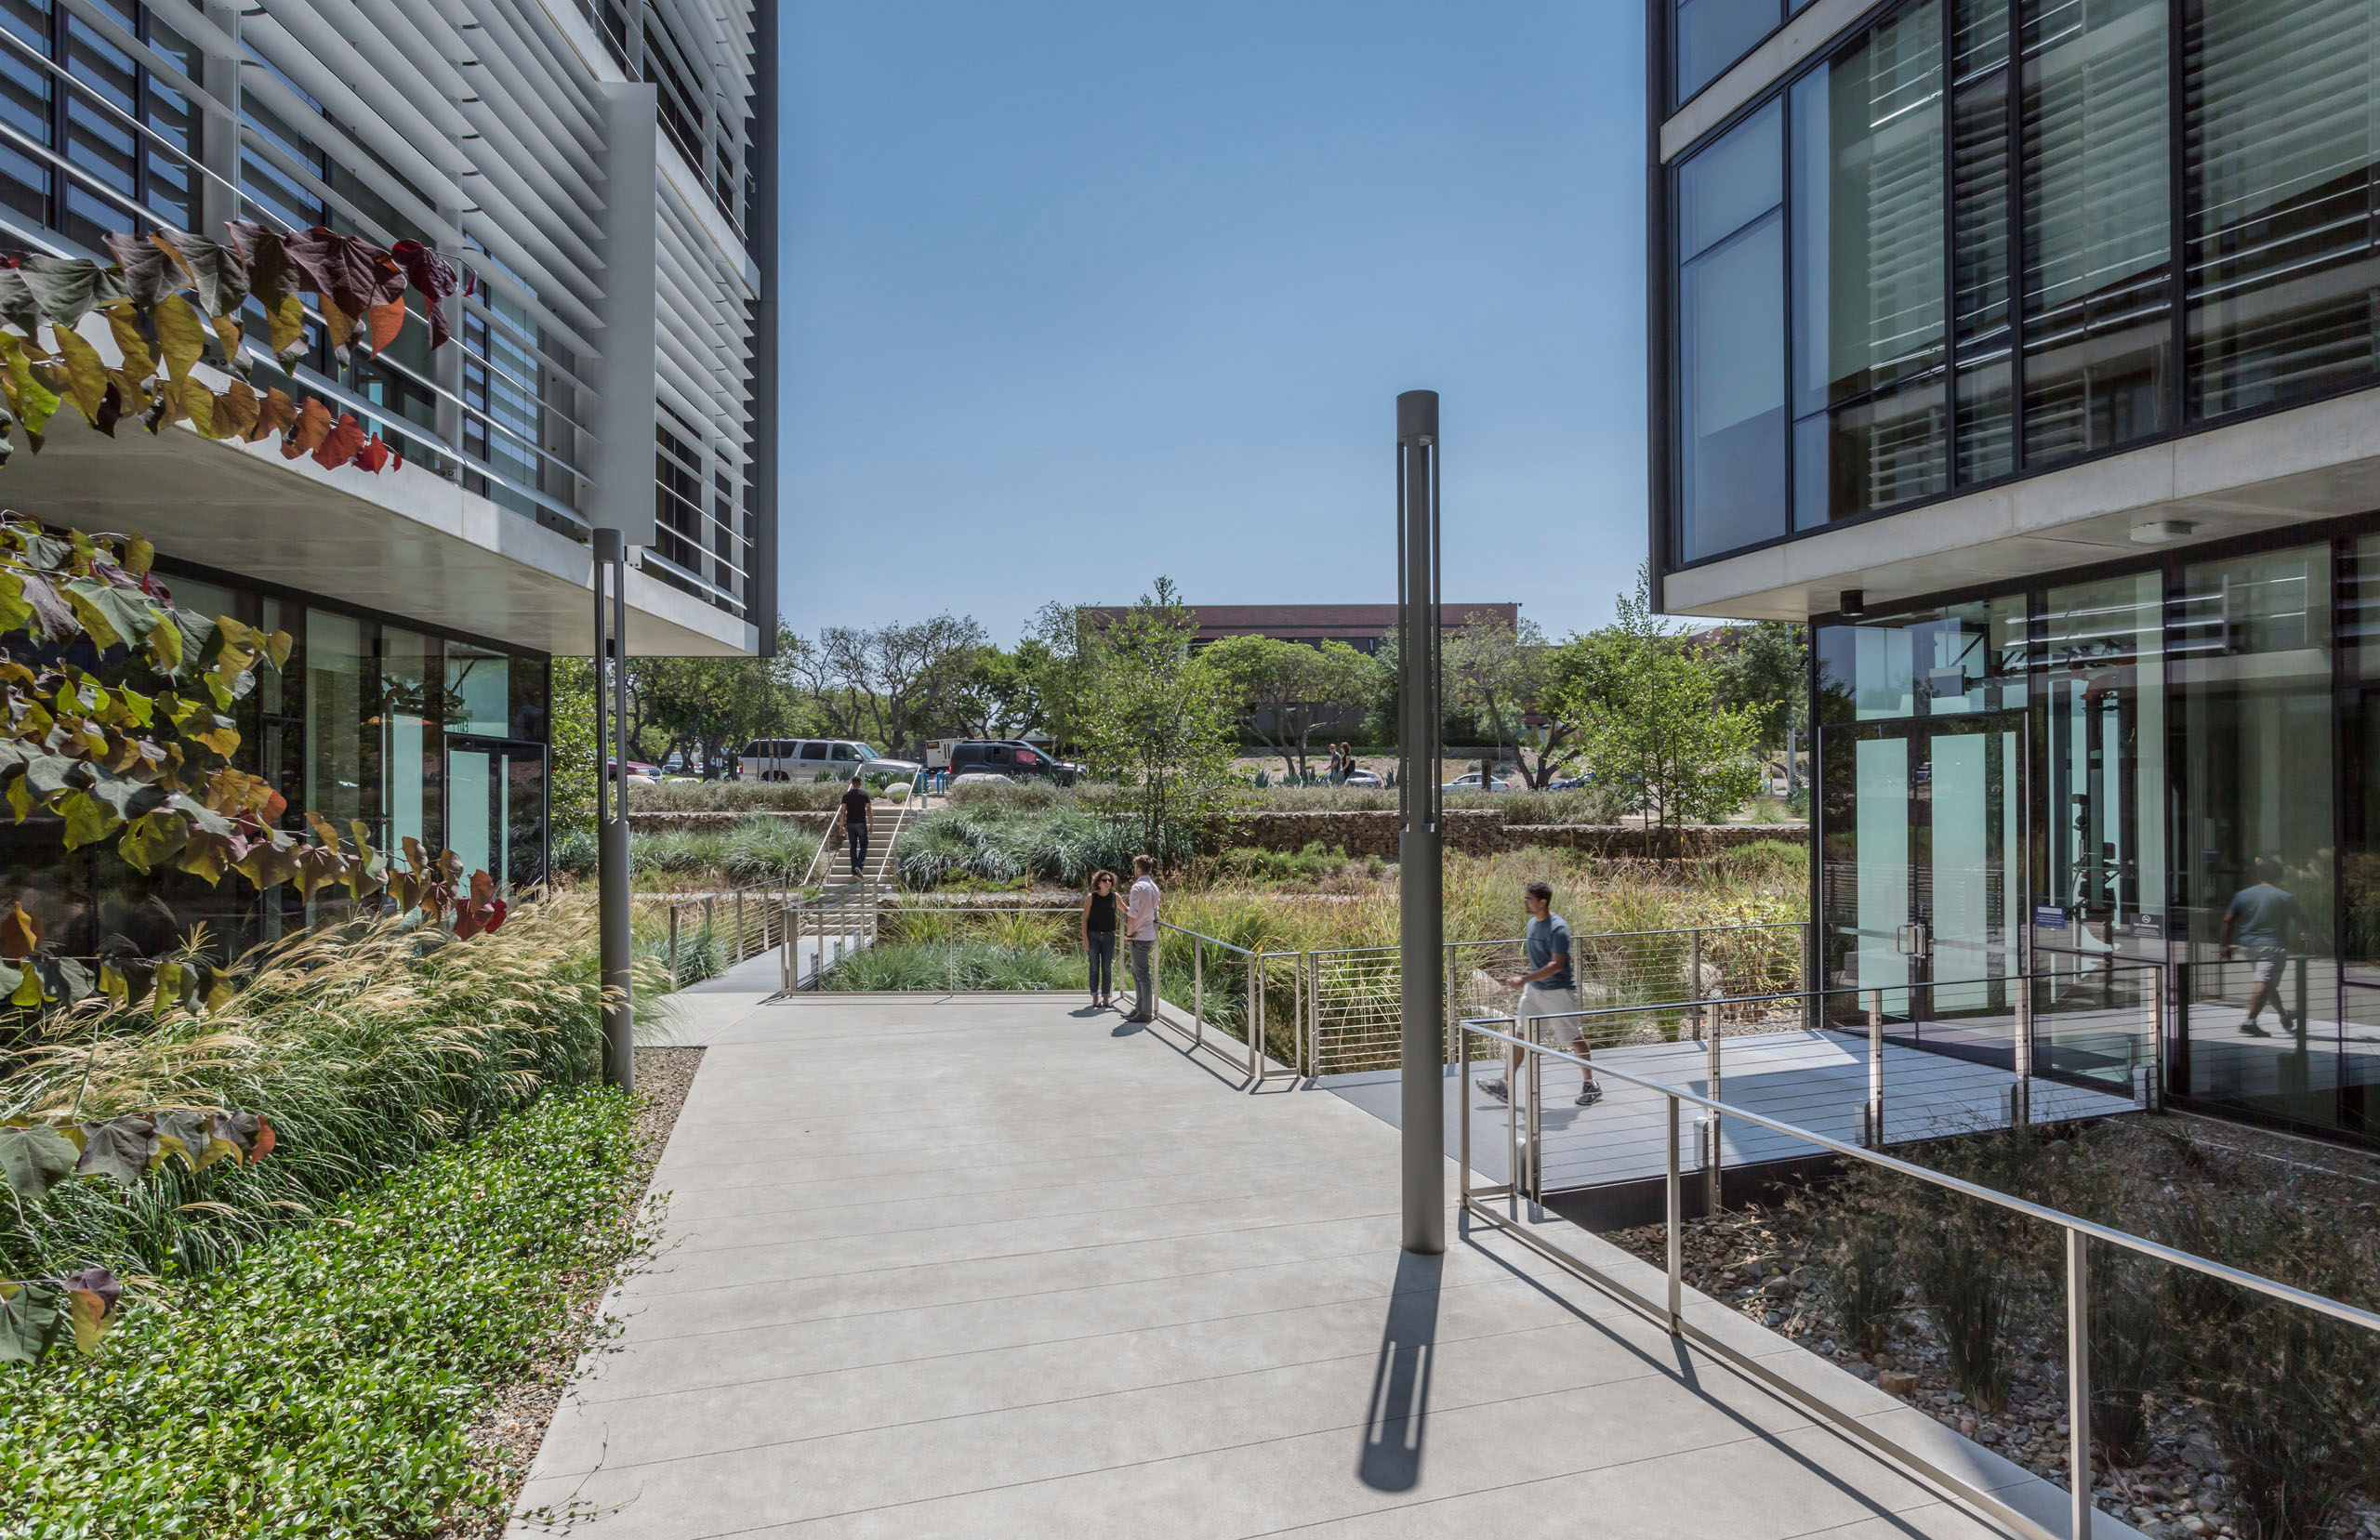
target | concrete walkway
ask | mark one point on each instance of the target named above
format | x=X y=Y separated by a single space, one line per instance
x=977 y=1266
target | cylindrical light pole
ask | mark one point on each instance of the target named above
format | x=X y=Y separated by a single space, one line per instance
x=1420 y=850
x=612 y=805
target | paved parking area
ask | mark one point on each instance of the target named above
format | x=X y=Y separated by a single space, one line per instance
x=979 y=1266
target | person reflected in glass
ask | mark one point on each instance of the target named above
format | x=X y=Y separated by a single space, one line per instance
x=2263 y=920
x=1099 y=936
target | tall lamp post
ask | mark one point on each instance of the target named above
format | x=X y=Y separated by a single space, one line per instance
x=1421 y=838
x=612 y=805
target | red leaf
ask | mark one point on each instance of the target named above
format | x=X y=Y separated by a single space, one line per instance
x=349 y=272
x=435 y=277
x=311 y=427
x=340 y=445
x=496 y=917
x=372 y=455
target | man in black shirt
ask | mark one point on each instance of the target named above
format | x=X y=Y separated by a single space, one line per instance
x=855 y=805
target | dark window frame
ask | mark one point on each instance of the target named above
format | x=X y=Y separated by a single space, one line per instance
x=1668 y=535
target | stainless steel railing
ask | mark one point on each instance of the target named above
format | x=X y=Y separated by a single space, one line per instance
x=2080 y=1234
x=753 y=919
x=1254 y=968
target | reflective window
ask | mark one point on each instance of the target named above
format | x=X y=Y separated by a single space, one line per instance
x=1870 y=415
x=2096 y=226
x=2281 y=144
x=1713 y=35
x=2099 y=699
x=2253 y=847
x=1960 y=659
x=1731 y=299
x=1979 y=193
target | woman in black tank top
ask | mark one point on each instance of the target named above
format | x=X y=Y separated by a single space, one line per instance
x=1099 y=935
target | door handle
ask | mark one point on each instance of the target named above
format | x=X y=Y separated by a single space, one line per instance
x=1916 y=940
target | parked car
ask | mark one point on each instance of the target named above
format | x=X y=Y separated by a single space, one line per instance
x=1011 y=757
x=808 y=758
x=640 y=773
x=1471 y=783
x=1369 y=779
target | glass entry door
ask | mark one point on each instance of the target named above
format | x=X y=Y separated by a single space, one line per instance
x=1924 y=888
x=496 y=809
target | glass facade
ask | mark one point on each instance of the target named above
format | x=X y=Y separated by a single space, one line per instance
x=2173 y=766
x=2009 y=234
x=369 y=722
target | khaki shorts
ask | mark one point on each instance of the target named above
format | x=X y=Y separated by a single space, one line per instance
x=1542 y=1000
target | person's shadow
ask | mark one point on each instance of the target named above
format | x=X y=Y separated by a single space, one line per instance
x=1396 y=1421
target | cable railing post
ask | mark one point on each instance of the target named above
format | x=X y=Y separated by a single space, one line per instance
x=1875 y=1069
x=1512 y=1139
x=2078 y=1379
x=675 y=977
x=739 y=926
x=2020 y=1104
x=1197 y=990
x=1673 y=1192
x=1463 y=1125
x=1255 y=1013
x=1711 y=1177
x=1694 y=990
x=1535 y=1116
x=2155 y=1087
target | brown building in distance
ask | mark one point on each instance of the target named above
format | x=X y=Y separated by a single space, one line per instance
x=1361 y=626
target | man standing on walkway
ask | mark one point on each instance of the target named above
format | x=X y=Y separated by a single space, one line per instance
x=2261 y=921
x=1140 y=932
x=855 y=806
x=1547 y=989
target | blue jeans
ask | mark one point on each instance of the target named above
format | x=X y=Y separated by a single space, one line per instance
x=858 y=835
x=1103 y=963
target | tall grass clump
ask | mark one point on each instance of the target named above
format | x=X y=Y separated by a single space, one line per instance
x=767 y=849
x=364 y=1045
x=998 y=838
x=899 y=967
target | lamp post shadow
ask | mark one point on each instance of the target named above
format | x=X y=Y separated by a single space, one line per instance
x=1396 y=1421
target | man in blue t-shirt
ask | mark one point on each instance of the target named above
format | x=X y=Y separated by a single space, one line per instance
x=1547 y=989
x=2262 y=920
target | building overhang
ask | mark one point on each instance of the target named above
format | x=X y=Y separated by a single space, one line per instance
x=2298 y=466
x=405 y=542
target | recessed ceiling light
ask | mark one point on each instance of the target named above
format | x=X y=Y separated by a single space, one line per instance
x=2157 y=532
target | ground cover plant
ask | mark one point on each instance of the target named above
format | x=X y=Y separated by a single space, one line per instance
x=2213 y=1411
x=735 y=796
x=325 y=1384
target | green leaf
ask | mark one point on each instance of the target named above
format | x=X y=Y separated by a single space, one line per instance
x=88 y=820
x=85 y=373
x=154 y=836
x=35 y=403
x=28 y=1318
x=124 y=1148
x=34 y=1157
x=113 y=616
x=67 y=288
x=194 y=1134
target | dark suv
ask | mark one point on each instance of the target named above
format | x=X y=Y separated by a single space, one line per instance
x=1007 y=756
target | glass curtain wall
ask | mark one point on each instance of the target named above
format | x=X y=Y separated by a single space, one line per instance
x=1731 y=236
x=1871 y=422
x=1994 y=244
x=2358 y=1052
x=2283 y=127
x=2255 y=847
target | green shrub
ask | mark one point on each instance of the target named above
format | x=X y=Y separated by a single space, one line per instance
x=1962 y=1271
x=325 y=1384
x=891 y=966
x=1860 y=1282
x=767 y=849
x=735 y=796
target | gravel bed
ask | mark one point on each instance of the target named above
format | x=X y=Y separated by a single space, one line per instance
x=1762 y=1262
x=513 y=1422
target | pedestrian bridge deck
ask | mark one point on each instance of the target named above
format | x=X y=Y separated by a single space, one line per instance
x=977 y=1266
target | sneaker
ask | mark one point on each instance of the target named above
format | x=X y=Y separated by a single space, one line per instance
x=1588 y=1094
x=1495 y=1089
x=2252 y=1029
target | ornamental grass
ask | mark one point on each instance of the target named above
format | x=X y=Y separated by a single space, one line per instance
x=364 y=1044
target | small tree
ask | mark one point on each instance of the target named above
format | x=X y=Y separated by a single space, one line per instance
x=1154 y=717
x=1650 y=720
x=1502 y=674
x=1284 y=692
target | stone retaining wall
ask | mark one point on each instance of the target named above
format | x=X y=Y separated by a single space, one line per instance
x=1483 y=830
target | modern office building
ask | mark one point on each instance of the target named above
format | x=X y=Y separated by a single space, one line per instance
x=604 y=177
x=2030 y=351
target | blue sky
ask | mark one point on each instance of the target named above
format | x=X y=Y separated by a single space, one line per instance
x=1077 y=293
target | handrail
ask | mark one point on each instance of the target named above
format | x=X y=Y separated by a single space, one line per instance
x=2079 y=1231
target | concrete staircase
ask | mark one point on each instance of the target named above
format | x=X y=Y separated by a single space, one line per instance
x=842 y=919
